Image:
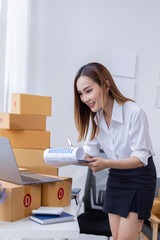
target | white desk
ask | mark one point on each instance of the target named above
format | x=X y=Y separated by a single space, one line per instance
x=27 y=229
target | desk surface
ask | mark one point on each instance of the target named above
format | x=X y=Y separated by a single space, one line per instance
x=25 y=228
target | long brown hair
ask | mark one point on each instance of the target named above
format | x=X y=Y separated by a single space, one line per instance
x=82 y=113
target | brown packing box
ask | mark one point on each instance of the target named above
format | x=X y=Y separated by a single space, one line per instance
x=31 y=104
x=23 y=169
x=20 y=202
x=22 y=121
x=57 y=194
x=32 y=159
x=27 y=138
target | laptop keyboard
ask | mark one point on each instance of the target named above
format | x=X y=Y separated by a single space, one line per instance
x=29 y=179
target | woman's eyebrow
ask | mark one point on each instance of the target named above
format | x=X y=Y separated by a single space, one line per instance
x=84 y=88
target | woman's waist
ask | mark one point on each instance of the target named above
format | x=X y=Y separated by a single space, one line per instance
x=143 y=174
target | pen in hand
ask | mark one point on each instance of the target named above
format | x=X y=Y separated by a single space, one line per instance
x=69 y=142
x=71 y=146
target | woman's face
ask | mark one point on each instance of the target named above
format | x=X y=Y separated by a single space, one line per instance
x=90 y=93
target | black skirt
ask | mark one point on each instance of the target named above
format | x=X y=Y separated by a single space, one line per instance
x=131 y=190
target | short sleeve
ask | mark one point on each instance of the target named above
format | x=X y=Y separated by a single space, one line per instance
x=91 y=147
x=140 y=142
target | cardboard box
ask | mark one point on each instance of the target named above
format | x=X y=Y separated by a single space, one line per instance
x=57 y=194
x=22 y=122
x=31 y=104
x=43 y=170
x=23 y=169
x=20 y=202
x=32 y=159
x=27 y=138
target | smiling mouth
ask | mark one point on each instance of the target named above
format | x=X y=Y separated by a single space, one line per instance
x=91 y=105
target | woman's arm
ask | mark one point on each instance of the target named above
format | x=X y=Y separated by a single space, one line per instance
x=98 y=163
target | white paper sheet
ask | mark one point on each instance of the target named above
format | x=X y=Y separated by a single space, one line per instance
x=59 y=157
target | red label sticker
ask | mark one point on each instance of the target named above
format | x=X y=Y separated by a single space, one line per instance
x=1 y=120
x=60 y=193
x=14 y=103
x=27 y=200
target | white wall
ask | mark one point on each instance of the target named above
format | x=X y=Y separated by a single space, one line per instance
x=68 y=34
x=3 y=17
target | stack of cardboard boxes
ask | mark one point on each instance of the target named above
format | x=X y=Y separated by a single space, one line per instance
x=26 y=129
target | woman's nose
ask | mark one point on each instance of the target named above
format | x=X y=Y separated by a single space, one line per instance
x=85 y=99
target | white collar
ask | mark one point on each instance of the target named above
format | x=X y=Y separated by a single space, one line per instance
x=117 y=115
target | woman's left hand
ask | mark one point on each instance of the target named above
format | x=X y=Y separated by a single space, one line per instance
x=96 y=164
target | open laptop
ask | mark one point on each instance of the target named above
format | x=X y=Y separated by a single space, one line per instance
x=9 y=170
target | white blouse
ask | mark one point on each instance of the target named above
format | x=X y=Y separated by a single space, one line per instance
x=127 y=135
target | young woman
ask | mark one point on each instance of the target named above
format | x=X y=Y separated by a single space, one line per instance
x=108 y=120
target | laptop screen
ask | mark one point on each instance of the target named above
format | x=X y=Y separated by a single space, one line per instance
x=8 y=166
x=9 y=170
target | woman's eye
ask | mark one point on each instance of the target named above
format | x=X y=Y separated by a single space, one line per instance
x=88 y=91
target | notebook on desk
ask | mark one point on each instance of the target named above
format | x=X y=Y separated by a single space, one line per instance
x=49 y=219
x=9 y=170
